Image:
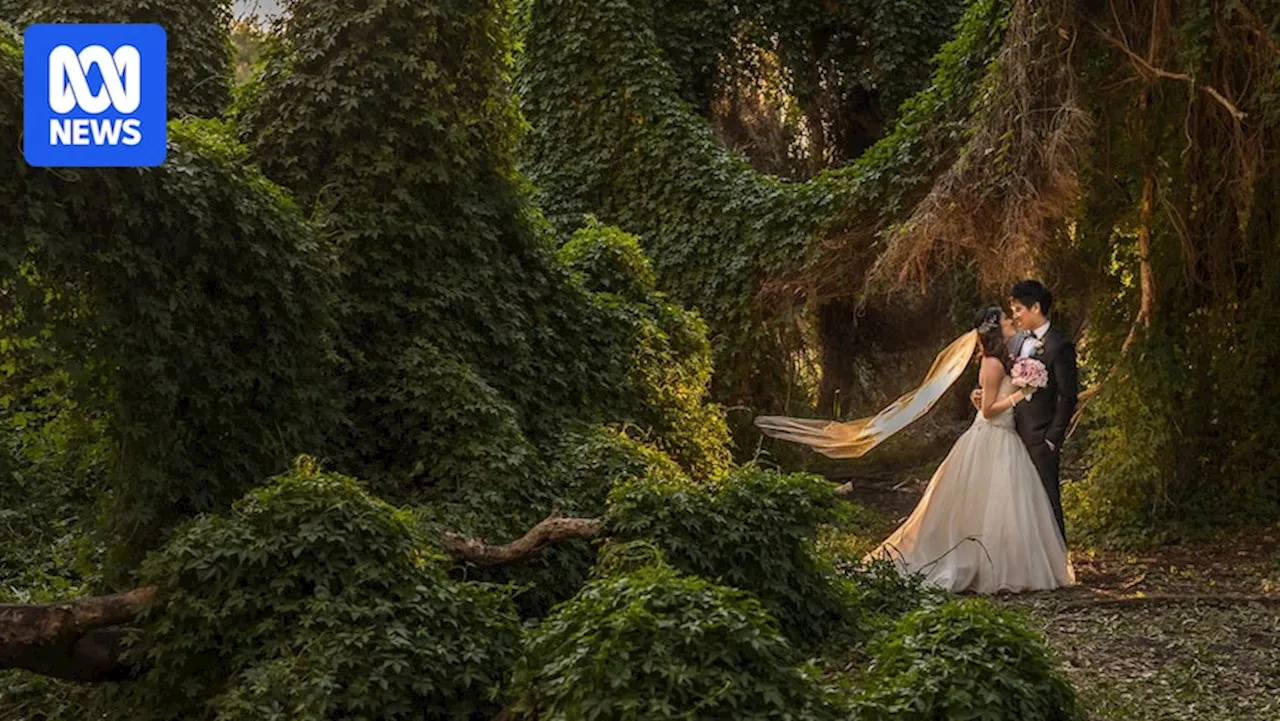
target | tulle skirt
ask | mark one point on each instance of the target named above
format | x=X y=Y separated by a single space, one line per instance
x=984 y=523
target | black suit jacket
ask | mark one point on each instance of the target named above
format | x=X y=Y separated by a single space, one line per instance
x=1047 y=415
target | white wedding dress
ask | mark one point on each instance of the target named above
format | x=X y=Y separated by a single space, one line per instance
x=984 y=523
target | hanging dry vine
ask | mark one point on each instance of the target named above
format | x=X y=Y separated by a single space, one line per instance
x=1017 y=177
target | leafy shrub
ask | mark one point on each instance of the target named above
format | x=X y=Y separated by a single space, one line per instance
x=589 y=463
x=53 y=456
x=668 y=374
x=29 y=697
x=582 y=467
x=754 y=530
x=884 y=595
x=964 y=659
x=610 y=260
x=313 y=600
x=656 y=644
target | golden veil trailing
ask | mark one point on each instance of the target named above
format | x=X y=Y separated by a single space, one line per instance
x=852 y=439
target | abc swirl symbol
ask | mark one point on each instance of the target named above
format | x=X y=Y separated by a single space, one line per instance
x=69 y=84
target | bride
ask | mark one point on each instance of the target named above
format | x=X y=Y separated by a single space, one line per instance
x=984 y=523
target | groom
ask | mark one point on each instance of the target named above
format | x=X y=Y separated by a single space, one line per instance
x=1043 y=419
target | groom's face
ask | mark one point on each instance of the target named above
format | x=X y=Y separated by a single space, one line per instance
x=1022 y=316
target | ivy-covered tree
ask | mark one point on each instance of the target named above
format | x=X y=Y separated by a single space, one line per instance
x=1118 y=151
x=191 y=302
x=394 y=128
x=612 y=137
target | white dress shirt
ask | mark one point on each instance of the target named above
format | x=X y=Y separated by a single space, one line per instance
x=1029 y=344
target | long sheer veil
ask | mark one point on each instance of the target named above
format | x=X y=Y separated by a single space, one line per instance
x=852 y=439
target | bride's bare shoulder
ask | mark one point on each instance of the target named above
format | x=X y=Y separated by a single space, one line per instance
x=992 y=367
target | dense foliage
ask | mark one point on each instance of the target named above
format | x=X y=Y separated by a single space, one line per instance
x=752 y=529
x=349 y=264
x=612 y=137
x=963 y=659
x=411 y=180
x=450 y=285
x=657 y=644
x=190 y=303
x=53 y=457
x=311 y=599
x=844 y=67
x=476 y=364
x=1179 y=193
x=669 y=367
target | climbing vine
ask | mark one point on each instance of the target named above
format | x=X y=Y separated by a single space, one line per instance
x=130 y=272
x=611 y=136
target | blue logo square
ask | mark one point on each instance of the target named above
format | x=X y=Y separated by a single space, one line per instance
x=94 y=95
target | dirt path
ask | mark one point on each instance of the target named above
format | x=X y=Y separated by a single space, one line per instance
x=1179 y=633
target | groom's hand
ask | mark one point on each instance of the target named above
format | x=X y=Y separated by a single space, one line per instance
x=976 y=398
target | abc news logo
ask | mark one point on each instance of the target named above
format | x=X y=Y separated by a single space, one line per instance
x=69 y=89
x=94 y=95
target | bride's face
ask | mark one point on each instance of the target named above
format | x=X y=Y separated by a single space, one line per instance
x=1006 y=326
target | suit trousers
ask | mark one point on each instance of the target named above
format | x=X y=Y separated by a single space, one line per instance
x=1047 y=462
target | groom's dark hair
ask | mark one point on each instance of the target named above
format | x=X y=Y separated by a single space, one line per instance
x=1030 y=292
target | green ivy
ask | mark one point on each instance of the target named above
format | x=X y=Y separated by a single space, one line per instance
x=394 y=127
x=190 y=302
x=311 y=599
x=656 y=644
x=840 y=59
x=611 y=137
x=752 y=529
x=52 y=458
x=668 y=374
x=964 y=659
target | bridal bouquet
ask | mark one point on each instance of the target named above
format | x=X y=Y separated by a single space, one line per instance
x=1030 y=375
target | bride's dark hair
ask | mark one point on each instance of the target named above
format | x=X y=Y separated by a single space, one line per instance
x=991 y=336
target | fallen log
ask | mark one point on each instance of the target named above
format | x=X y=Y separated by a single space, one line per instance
x=76 y=640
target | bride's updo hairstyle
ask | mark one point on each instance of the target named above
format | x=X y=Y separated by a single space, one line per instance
x=991 y=335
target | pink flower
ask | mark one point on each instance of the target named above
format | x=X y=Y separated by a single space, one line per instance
x=1029 y=374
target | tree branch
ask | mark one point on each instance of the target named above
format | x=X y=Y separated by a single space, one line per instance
x=550 y=530
x=70 y=639
x=1148 y=68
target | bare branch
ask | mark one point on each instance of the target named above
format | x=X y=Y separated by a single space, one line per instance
x=1148 y=68
x=550 y=530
